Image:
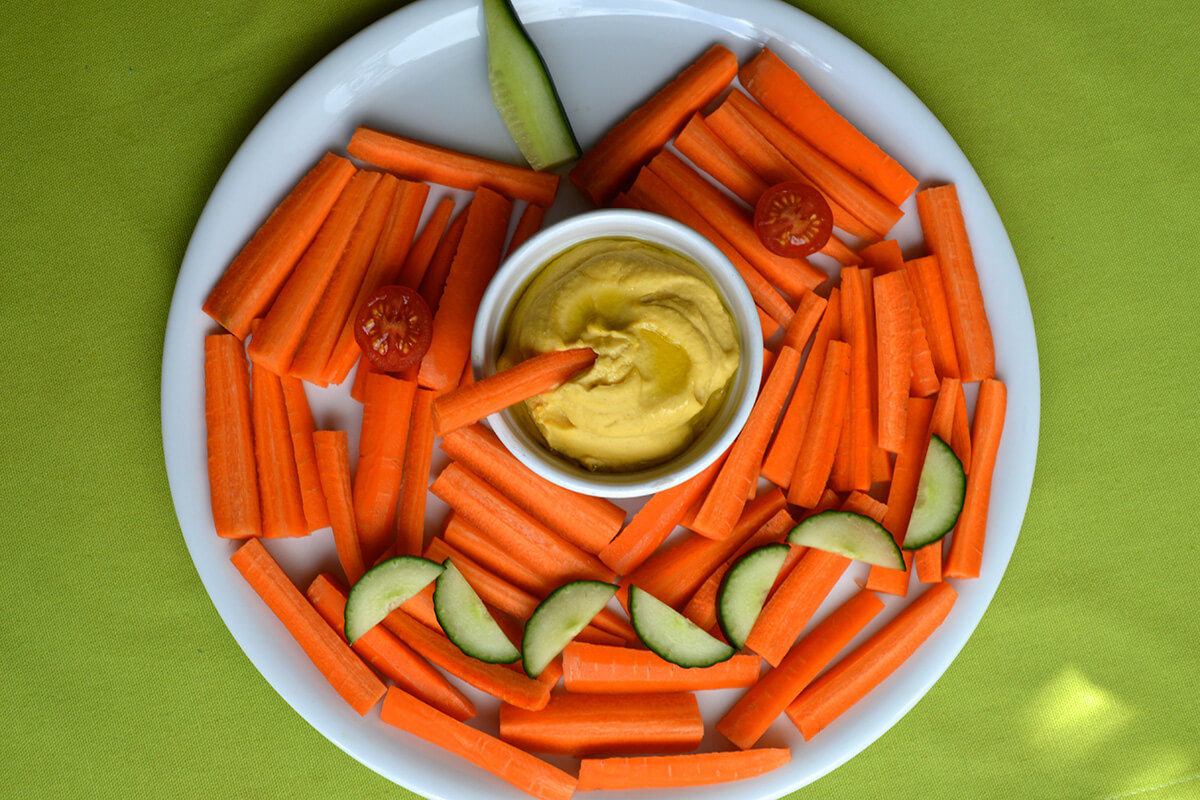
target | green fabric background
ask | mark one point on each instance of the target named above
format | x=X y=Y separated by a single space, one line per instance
x=119 y=678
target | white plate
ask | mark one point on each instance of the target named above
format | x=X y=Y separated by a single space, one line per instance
x=422 y=72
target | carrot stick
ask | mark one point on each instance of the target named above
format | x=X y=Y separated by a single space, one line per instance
x=719 y=513
x=386 y=413
x=391 y=254
x=881 y=467
x=883 y=256
x=232 y=472
x=511 y=764
x=860 y=200
x=601 y=725
x=893 y=330
x=809 y=312
x=422 y=161
x=475 y=261
x=252 y=280
x=961 y=438
x=300 y=422
x=278 y=482
x=335 y=303
x=927 y=561
x=966 y=545
x=513 y=529
x=590 y=521
x=786 y=95
x=815 y=458
x=655 y=520
x=542 y=373
x=928 y=291
x=706 y=150
x=780 y=459
x=414 y=481
x=529 y=223
x=847 y=681
x=599 y=669
x=652 y=193
x=332 y=453
x=612 y=162
x=695 y=769
x=862 y=392
x=902 y=495
x=793 y=276
x=392 y=658
x=946 y=235
x=433 y=282
x=330 y=654
x=416 y=262
x=276 y=340
x=748 y=719
x=773 y=166
x=464 y=536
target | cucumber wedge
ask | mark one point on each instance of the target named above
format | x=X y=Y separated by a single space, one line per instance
x=523 y=92
x=851 y=535
x=673 y=636
x=466 y=621
x=744 y=590
x=940 y=494
x=559 y=618
x=383 y=588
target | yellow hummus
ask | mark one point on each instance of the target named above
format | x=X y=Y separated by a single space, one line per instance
x=666 y=345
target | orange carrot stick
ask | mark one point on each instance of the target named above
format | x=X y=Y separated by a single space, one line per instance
x=966 y=545
x=862 y=391
x=883 y=256
x=433 y=281
x=893 y=330
x=696 y=769
x=541 y=373
x=300 y=422
x=529 y=223
x=409 y=158
x=719 y=513
x=392 y=658
x=786 y=95
x=849 y=680
x=232 y=472
x=590 y=521
x=599 y=669
x=946 y=235
x=252 y=280
x=332 y=453
x=780 y=460
x=926 y=278
x=527 y=773
x=416 y=262
x=464 y=536
x=386 y=413
x=276 y=340
x=344 y=670
x=815 y=459
x=748 y=719
x=475 y=261
x=700 y=145
x=278 y=482
x=612 y=162
x=601 y=725
x=881 y=465
x=809 y=312
x=961 y=440
x=414 y=481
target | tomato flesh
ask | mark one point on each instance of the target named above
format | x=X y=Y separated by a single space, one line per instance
x=793 y=219
x=393 y=328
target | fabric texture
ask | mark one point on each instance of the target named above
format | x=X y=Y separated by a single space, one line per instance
x=116 y=120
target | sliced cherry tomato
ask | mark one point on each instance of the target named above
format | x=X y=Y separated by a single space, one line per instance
x=393 y=328
x=793 y=219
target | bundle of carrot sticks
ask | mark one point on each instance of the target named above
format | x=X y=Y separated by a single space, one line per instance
x=858 y=378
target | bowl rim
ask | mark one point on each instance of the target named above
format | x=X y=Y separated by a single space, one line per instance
x=518 y=270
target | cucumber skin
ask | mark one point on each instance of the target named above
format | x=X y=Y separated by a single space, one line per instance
x=794 y=538
x=450 y=628
x=531 y=625
x=730 y=573
x=354 y=597
x=937 y=537
x=634 y=594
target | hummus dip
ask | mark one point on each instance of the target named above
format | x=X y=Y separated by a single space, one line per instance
x=666 y=346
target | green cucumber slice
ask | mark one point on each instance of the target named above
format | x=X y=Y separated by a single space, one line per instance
x=383 y=588
x=941 y=491
x=559 y=618
x=673 y=636
x=744 y=590
x=523 y=91
x=466 y=621
x=851 y=535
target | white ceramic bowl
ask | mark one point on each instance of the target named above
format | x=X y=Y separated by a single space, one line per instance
x=516 y=273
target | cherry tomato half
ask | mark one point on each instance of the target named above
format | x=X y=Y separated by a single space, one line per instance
x=793 y=219
x=393 y=328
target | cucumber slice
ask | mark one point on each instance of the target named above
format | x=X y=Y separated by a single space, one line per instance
x=744 y=590
x=940 y=495
x=466 y=621
x=559 y=618
x=384 y=587
x=848 y=534
x=523 y=92
x=673 y=636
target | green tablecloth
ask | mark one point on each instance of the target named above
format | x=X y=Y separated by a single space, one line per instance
x=119 y=678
